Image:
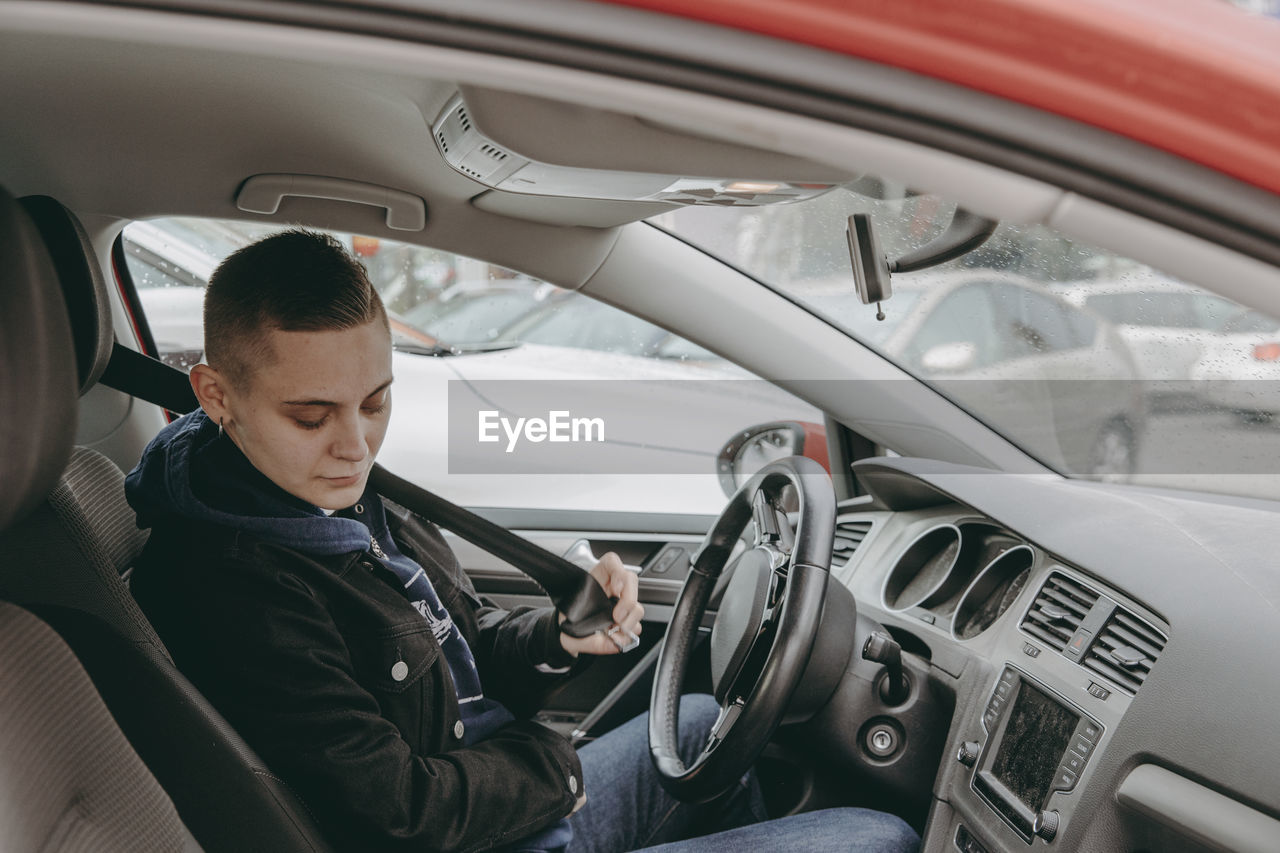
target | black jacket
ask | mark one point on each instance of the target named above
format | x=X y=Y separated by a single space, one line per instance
x=296 y=650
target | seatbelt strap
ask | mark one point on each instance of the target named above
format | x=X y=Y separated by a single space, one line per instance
x=574 y=592
x=149 y=379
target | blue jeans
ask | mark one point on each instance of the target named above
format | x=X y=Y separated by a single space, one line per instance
x=627 y=809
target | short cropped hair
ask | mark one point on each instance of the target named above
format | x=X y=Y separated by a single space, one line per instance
x=294 y=281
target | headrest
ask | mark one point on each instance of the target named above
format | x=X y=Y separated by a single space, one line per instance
x=37 y=367
x=83 y=286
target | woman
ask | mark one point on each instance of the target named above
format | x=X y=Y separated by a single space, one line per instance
x=338 y=634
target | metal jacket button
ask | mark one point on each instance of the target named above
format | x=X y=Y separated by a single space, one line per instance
x=458 y=729
x=573 y=784
x=400 y=670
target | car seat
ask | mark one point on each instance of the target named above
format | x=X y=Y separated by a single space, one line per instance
x=65 y=563
x=69 y=780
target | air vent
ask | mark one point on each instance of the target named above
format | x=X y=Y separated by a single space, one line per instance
x=1058 y=610
x=1125 y=650
x=849 y=535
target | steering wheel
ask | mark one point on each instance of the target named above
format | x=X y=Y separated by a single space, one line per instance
x=769 y=660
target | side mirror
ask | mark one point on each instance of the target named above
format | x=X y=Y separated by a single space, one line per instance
x=949 y=358
x=757 y=446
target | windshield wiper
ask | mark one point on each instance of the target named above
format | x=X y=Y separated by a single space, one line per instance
x=442 y=349
x=436 y=350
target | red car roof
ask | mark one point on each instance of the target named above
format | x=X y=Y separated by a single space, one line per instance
x=1198 y=78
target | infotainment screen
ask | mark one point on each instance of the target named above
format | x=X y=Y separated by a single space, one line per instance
x=1038 y=733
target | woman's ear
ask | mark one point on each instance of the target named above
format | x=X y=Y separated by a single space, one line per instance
x=211 y=389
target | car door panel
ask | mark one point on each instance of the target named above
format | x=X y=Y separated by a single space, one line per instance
x=615 y=688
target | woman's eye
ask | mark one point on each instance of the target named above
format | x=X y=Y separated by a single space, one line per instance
x=309 y=424
x=375 y=410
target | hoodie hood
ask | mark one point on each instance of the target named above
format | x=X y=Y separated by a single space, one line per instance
x=194 y=471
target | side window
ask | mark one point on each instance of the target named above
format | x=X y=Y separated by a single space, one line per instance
x=1048 y=318
x=474 y=342
x=1034 y=324
x=956 y=335
x=170 y=280
x=1213 y=312
x=150 y=272
x=1083 y=327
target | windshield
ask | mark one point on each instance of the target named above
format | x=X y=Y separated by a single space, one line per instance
x=1093 y=363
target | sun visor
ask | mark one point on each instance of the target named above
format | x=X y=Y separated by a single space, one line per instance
x=596 y=213
x=539 y=147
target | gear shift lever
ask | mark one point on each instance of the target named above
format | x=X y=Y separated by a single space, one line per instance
x=882 y=648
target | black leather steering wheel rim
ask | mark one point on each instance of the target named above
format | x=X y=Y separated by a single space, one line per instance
x=753 y=703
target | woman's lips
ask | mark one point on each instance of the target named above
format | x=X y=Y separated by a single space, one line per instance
x=343 y=481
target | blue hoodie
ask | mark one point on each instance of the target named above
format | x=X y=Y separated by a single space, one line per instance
x=192 y=470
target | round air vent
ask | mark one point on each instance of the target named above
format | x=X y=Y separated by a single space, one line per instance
x=923 y=571
x=992 y=592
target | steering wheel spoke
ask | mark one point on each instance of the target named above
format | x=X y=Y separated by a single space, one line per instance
x=729 y=715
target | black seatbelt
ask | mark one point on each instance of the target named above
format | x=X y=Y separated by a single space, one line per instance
x=574 y=592
x=149 y=379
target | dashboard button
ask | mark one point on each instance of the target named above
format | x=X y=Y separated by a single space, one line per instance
x=1098 y=691
x=1074 y=763
x=1088 y=730
x=1003 y=689
x=1030 y=650
x=1065 y=780
x=1079 y=642
x=966 y=843
x=1082 y=746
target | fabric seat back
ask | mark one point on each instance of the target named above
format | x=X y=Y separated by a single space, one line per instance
x=69 y=780
x=65 y=562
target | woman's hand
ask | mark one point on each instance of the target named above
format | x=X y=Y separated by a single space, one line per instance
x=627 y=613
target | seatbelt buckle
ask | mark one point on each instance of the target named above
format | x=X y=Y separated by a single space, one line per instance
x=622 y=638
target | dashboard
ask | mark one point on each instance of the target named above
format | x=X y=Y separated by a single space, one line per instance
x=1093 y=665
x=1098 y=660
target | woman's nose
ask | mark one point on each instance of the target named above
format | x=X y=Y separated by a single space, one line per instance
x=349 y=441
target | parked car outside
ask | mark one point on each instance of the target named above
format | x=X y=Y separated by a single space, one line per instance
x=573 y=320
x=1166 y=324
x=1057 y=375
x=481 y=310
x=1240 y=367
